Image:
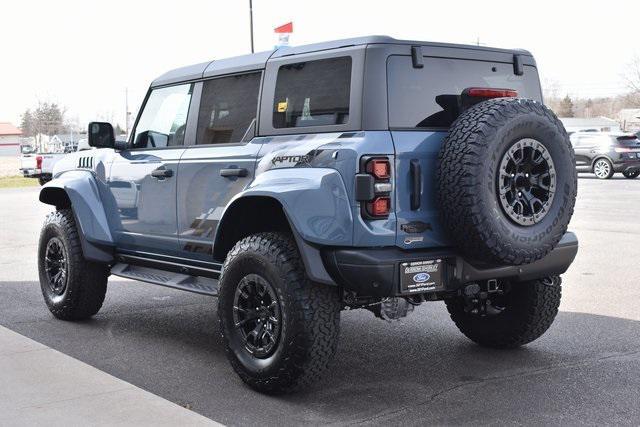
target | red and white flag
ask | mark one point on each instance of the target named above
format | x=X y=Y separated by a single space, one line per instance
x=283 y=32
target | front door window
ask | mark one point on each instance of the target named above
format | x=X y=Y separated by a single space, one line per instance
x=163 y=121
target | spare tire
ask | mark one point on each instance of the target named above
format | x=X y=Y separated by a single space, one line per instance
x=507 y=181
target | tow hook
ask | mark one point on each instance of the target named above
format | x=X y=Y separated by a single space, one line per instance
x=478 y=298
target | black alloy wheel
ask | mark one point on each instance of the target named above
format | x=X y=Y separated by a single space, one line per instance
x=526 y=181
x=56 y=266
x=256 y=315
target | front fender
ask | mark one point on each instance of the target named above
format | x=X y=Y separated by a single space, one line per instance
x=314 y=200
x=82 y=191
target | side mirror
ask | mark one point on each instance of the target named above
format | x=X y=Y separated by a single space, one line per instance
x=101 y=135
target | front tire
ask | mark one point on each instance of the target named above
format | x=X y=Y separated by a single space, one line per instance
x=603 y=169
x=280 y=329
x=631 y=174
x=528 y=310
x=73 y=288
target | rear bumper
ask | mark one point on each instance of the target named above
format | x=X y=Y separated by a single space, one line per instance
x=626 y=165
x=376 y=271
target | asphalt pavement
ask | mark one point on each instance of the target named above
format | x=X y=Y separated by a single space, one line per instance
x=420 y=370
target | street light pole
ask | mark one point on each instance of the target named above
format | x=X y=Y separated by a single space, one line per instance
x=251 y=22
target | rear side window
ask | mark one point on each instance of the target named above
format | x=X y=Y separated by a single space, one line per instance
x=313 y=93
x=227 y=108
x=427 y=97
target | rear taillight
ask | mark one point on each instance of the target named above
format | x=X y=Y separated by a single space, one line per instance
x=622 y=150
x=487 y=92
x=379 y=206
x=38 y=162
x=379 y=168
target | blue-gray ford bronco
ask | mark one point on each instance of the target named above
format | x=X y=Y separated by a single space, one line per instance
x=292 y=184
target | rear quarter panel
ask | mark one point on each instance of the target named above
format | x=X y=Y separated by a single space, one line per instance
x=323 y=219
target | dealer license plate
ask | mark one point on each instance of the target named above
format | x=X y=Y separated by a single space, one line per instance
x=421 y=276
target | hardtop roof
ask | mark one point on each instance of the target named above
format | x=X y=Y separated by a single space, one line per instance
x=258 y=60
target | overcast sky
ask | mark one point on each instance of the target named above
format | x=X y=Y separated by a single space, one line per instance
x=83 y=54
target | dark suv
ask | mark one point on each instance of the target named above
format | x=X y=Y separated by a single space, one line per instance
x=367 y=173
x=607 y=153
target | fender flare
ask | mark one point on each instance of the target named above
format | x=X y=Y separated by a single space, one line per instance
x=79 y=190
x=316 y=206
x=314 y=200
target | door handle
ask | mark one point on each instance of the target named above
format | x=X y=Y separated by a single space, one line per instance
x=162 y=173
x=230 y=172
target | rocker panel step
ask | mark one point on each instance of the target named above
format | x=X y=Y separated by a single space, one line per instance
x=197 y=284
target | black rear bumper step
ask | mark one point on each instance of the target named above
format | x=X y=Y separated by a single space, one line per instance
x=376 y=271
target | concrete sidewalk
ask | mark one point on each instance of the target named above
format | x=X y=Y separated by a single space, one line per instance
x=41 y=386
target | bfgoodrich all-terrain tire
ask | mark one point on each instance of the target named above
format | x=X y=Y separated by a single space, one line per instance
x=528 y=310
x=73 y=288
x=280 y=329
x=507 y=181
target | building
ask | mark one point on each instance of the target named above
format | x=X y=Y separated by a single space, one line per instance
x=593 y=124
x=9 y=134
x=629 y=119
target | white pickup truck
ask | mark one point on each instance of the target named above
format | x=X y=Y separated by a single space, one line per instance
x=40 y=165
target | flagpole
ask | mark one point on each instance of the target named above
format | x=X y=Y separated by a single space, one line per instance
x=251 y=22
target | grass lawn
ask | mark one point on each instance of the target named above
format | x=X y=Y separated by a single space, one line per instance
x=17 y=181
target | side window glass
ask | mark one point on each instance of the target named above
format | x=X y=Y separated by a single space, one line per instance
x=585 y=141
x=227 y=108
x=313 y=93
x=164 y=118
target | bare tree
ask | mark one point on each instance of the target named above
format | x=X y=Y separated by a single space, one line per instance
x=46 y=119
x=631 y=75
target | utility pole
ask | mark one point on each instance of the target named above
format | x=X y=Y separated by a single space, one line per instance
x=251 y=22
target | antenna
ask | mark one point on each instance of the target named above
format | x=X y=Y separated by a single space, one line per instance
x=251 y=22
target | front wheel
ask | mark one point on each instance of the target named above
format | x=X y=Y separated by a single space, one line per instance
x=631 y=174
x=73 y=288
x=603 y=169
x=518 y=316
x=280 y=329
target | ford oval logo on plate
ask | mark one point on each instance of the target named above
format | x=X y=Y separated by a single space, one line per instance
x=421 y=277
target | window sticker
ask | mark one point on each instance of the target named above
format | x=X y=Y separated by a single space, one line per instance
x=282 y=107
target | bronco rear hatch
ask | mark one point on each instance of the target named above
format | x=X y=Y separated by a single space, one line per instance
x=423 y=101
